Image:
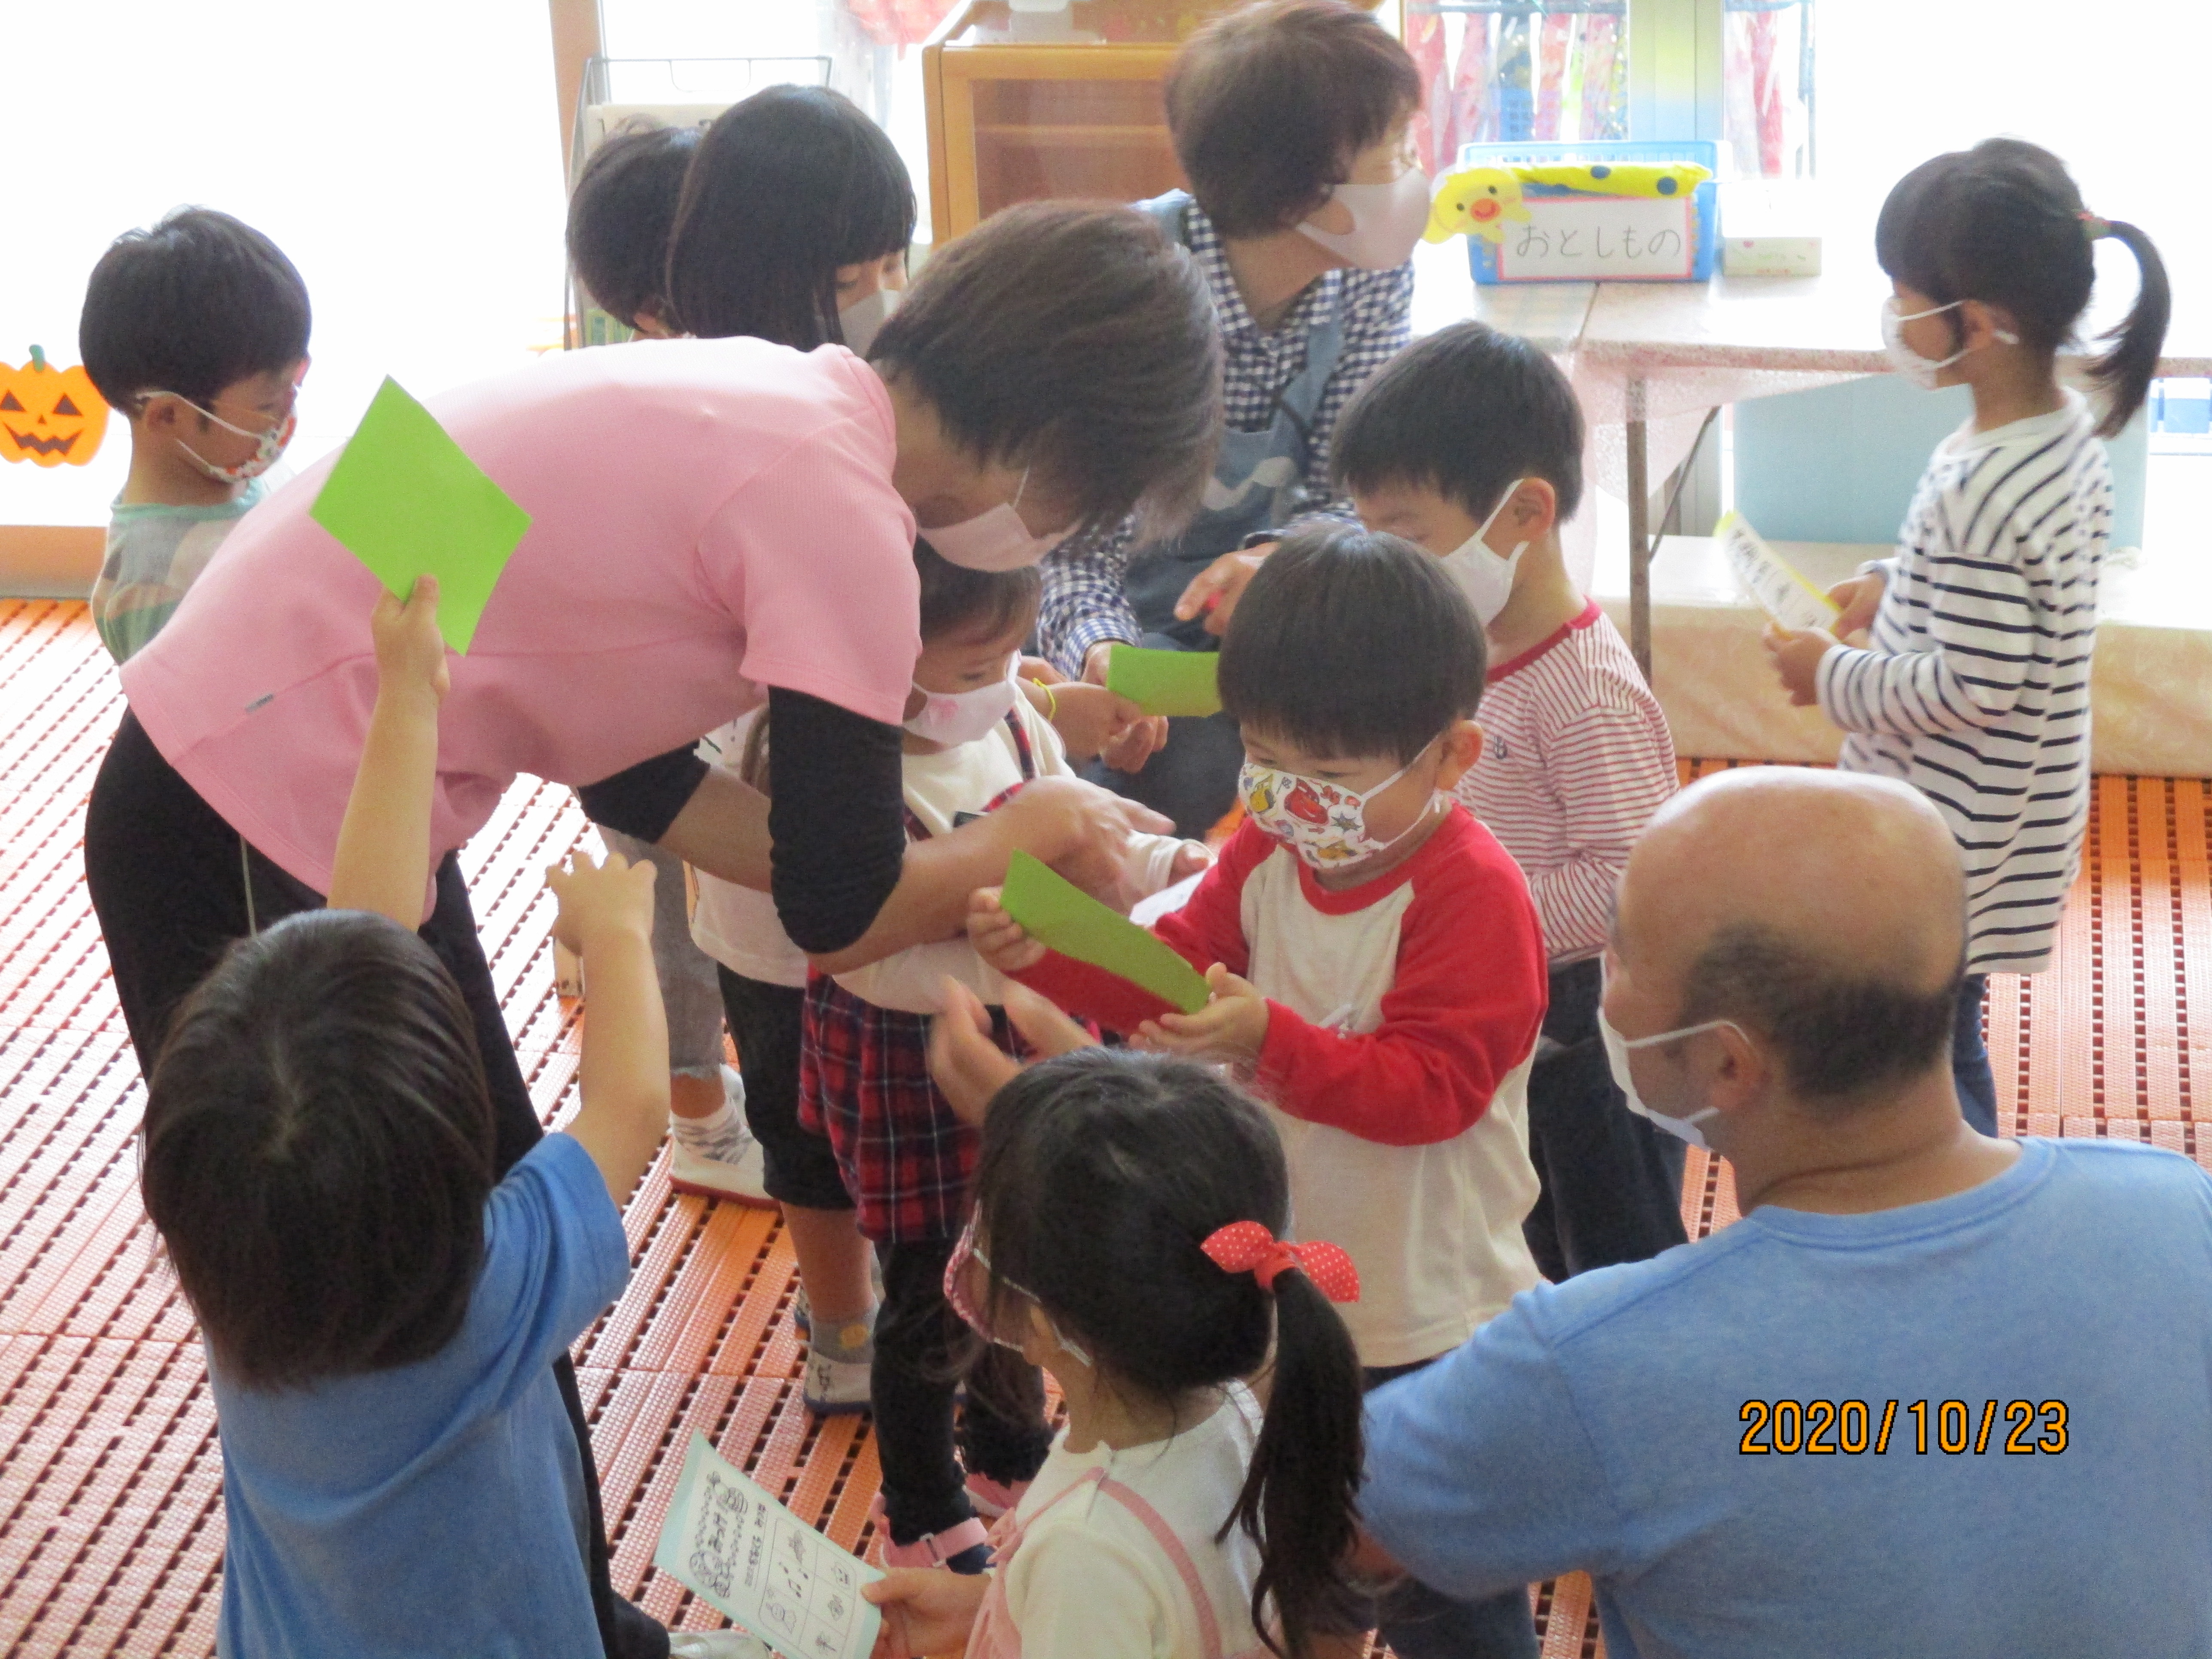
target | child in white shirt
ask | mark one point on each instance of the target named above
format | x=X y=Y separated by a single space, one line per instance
x=1124 y=1237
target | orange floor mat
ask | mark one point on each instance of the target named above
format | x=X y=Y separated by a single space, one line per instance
x=111 y=1515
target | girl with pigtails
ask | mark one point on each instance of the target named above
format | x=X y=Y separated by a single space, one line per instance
x=1971 y=680
x=1125 y=1237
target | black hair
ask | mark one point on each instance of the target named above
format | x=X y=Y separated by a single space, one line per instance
x=1348 y=643
x=1075 y=339
x=1101 y=1174
x=786 y=187
x=619 y=215
x=1268 y=103
x=317 y=1150
x=988 y=602
x=1465 y=412
x=199 y=303
x=1842 y=1033
x=2004 y=223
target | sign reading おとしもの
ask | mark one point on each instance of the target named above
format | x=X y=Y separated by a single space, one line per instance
x=1582 y=239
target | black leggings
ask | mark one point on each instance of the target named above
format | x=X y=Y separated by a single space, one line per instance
x=1002 y=1435
x=172 y=883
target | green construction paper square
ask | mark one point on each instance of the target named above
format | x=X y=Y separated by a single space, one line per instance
x=1165 y=682
x=1057 y=914
x=407 y=502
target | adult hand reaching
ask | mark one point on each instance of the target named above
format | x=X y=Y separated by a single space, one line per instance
x=1079 y=829
x=1213 y=591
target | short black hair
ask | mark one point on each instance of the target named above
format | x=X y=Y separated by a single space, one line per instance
x=317 y=1150
x=619 y=215
x=787 y=186
x=1076 y=339
x=955 y=597
x=1466 y=413
x=1268 y=103
x=198 y=303
x=2004 y=223
x=1842 y=1033
x=1351 y=643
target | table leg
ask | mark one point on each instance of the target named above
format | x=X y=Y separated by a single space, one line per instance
x=1639 y=537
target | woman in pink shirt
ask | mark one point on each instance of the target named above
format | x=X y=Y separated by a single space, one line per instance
x=713 y=523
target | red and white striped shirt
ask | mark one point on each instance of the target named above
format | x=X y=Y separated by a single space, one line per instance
x=1575 y=759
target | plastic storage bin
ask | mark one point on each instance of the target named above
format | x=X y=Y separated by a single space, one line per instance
x=1482 y=254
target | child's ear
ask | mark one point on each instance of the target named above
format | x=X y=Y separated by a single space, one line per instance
x=1534 y=510
x=1458 y=750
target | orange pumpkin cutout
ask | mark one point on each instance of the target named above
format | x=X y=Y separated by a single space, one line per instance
x=49 y=415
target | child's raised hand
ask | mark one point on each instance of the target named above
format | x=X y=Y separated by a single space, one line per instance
x=997 y=937
x=1230 y=1029
x=965 y=1061
x=600 y=900
x=410 y=651
x=1090 y=718
x=1796 y=655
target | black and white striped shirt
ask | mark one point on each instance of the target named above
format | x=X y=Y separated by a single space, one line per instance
x=1976 y=690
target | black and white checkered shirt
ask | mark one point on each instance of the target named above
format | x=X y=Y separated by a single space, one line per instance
x=1083 y=601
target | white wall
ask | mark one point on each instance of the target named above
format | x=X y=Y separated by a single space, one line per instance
x=404 y=154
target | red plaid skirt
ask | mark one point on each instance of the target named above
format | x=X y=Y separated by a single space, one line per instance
x=864 y=1081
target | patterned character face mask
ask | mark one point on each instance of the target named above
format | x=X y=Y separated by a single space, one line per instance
x=967 y=1255
x=1323 y=822
x=268 y=445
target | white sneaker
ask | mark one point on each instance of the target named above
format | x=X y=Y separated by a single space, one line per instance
x=742 y=1182
x=742 y=1179
x=717 y=1644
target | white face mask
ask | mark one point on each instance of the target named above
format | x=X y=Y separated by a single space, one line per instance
x=1917 y=370
x=953 y=718
x=1387 y=222
x=1616 y=1056
x=859 y=320
x=996 y=540
x=1486 y=577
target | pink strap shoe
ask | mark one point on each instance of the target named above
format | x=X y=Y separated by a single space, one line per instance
x=932 y=1549
x=994 y=1498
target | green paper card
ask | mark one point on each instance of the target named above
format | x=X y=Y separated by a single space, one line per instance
x=1165 y=682
x=407 y=502
x=1059 y=915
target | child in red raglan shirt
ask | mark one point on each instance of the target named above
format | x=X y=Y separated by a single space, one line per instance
x=1377 y=966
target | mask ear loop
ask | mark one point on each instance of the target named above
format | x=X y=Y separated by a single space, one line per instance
x=245 y=881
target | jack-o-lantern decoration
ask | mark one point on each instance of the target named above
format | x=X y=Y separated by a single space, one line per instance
x=49 y=415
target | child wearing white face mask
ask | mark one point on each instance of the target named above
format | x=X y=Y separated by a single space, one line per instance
x=1470 y=445
x=1377 y=967
x=1973 y=684
x=195 y=332
x=972 y=740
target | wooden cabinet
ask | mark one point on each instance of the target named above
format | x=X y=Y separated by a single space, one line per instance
x=1014 y=118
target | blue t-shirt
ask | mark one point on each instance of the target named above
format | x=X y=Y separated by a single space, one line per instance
x=1597 y=1424
x=436 y=1508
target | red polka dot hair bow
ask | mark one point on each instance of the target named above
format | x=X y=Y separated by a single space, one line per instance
x=1246 y=1246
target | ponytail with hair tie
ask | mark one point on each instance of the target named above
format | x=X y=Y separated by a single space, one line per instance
x=1246 y=1246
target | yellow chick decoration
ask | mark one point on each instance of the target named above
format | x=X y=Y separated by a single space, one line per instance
x=1474 y=201
x=1616 y=178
